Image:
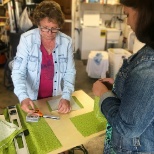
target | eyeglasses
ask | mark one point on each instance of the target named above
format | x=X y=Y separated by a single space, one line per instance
x=52 y=30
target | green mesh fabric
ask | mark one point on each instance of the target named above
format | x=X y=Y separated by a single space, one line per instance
x=40 y=138
x=91 y=122
x=50 y=109
x=8 y=150
x=97 y=110
x=77 y=101
x=8 y=132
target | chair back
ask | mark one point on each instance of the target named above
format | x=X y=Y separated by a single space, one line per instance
x=14 y=41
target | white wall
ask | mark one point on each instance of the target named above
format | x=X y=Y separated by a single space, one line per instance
x=107 y=12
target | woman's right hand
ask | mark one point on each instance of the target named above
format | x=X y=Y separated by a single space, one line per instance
x=99 y=89
x=27 y=105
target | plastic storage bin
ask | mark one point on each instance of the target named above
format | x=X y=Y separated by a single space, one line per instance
x=116 y=56
x=113 y=35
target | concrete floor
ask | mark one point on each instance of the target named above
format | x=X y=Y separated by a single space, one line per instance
x=7 y=97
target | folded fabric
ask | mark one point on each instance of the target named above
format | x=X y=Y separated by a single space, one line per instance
x=8 y=131
x=98 y=58
x=40 y=138
x=54 y=102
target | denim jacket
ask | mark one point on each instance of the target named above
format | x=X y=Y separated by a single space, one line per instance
x=27 y=66
x=129 y=108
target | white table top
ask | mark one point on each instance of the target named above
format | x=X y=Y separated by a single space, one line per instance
x=64 y=129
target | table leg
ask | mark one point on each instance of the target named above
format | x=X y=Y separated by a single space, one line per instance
x=81 y=148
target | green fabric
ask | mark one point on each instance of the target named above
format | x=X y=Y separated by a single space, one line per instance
x=50 y=109
x=40 y=138
x=77 y=101
x=9 y=150
x=91 y=122
x=97 y=110
x=107 y=143
x=5 y=113
x=8 y=132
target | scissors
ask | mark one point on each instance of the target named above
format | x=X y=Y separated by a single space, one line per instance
x=40 y=114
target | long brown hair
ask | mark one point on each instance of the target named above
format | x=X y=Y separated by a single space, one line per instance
x=145 y=23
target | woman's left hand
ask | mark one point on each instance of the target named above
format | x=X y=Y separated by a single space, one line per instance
x=64 y=106
x=99 y=88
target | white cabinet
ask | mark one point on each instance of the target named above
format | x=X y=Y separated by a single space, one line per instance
x=91 y=38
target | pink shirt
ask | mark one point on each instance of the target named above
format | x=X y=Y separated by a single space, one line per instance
x=47 y=74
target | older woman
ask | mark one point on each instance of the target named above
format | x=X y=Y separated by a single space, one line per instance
x=44 y=64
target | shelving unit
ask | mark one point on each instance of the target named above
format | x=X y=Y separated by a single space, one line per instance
x=3 y=2
x=4 y=51
x=2 y=23
x=2 y=17
x=14 y=8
